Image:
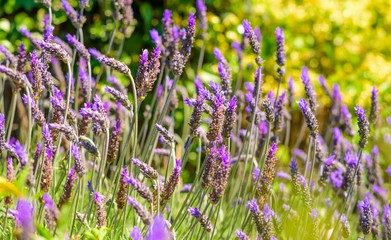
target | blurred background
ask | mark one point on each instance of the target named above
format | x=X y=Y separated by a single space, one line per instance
x=345 y=41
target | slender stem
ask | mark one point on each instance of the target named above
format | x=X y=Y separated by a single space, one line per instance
x=149 y=147
x=312 y=161
x=249 y=134
x=11 y=114
x=107 y=52
x=135 y=114
x=102 y=163
x=30 y=121
x=307 y=157
x=201 y=57
x=217 y=216
x=89 y=81
x=69 y=87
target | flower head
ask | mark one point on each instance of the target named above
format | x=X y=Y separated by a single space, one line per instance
x=280 y=47
x=158 y=229
x=363 y=126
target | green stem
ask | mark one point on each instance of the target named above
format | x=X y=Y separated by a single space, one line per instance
x=307 y=158
x=312 y=162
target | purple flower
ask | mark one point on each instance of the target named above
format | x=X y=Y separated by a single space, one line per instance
x=195 y=212
x=158 y=229
x=230 y=118
x=81 y=49
x=201 y=10
x=9 y=57
x=2 y=132
x=20 y=151
x=388 y=171
x=252 y=37
x=147 y=170
x=374 y=113
x=111 y=62
x=72 y=15
x=172 y=182
x=51 y=211
x=280 y=47
x=309 y=118
x=156 y=38
x=237 y=46
x=136 y=234
x=24 y=217
x=254 y=208
x=100 y=210
x=366 y=217
x=386 y=220
x=241 y=235
x=224 y=71
x=309 y=89
x=140 y=210
x=336 y=178
x=187 y=43
x=363 y=126
x=167 y=28
x=80 y=165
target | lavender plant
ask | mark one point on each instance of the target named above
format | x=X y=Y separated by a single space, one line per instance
x=137 y=153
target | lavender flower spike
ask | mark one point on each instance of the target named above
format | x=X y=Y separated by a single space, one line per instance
x=250 y=35
x=241 y=235
x=114 y=140
x=188 y=41
x=18 y=78
x=374 y=114
x=386 y=220
x=309 y=89
x=166 y=135
x=81 y=49
x=111 y=62
x=120 y=97
x=217 y=118
x=69 y=184
x=280 y=47
x=56 y=50
x=140 y=210
x=2 y=132
x=345 y=227
x=202 y=219
x=158 y=229
x=80 y=166
x=363 y=126
x=195 y=119
x=221 y=174
x=309 y=118
x=24 y=218
x=9 y=57
x=100 y=210
x=201 y=10
x=172 y=182
x=366 y=218
x=123 y=188
x=147 y=170
x=72 y=15
x=51 y=212
x=142 y=189
x=136 y=234
x=230 y=118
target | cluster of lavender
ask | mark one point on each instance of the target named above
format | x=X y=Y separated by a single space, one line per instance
x=78 y=164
